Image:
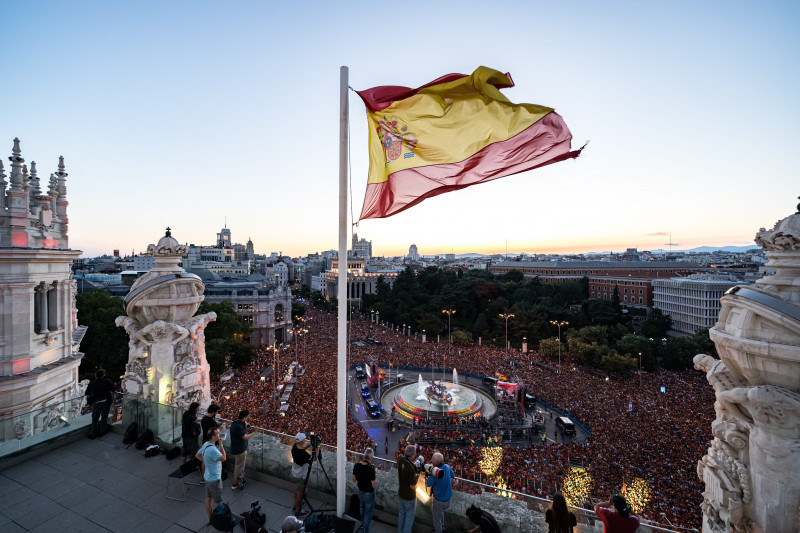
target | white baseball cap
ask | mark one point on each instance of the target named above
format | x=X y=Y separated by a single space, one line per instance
x=300 y=436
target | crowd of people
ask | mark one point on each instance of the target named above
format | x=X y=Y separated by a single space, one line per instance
x=653 y=427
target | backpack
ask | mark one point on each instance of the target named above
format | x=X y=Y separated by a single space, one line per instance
x=222 y=519
x=173 y=453
x=146 y=439
x=131 y=434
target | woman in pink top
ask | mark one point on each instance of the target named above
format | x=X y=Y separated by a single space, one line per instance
x=616 y=515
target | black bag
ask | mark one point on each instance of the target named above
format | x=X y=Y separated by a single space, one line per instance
x=131 y=434
x=222 y=519
x=173 y=453
x=152 y=451
x=253 y=523
x=146 y=439
x=355 y=507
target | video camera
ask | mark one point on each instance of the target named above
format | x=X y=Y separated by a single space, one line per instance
x=435 y=471
x=315 y=440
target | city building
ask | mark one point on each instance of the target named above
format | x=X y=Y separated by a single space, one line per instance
x=40 y=336
x=632 y=278
x=692 y=303
x=268 y=309
x=361 y=248
x=413 y=254
x=359 y=280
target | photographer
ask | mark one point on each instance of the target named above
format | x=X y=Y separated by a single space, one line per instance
x=364 y=474
x=212 y=453
x=407 y=475
x=302 y=462
x=99 y=396
x=190 y=430
x=239 y=437
x=442 y=490
x=616 y=515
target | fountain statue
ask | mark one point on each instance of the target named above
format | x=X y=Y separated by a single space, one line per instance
x=166 y=347
x=750 y=471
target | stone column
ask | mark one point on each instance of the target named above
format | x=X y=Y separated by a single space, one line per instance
x=43 y=312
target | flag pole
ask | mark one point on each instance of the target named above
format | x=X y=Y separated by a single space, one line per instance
x=341 y=367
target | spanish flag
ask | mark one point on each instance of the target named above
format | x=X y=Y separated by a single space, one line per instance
x=452 y=133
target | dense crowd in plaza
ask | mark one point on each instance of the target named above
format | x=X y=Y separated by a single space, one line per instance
x=637 y=431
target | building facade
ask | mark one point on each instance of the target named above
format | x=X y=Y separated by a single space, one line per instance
x=359 y=281
x=362 y=248
x=38 y=356
x=692 y=303
x=267 y=309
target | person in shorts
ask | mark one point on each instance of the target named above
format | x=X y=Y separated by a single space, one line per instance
x=212 y=453
x=302 y=462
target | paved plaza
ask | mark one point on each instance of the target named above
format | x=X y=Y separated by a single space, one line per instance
x=98 y=486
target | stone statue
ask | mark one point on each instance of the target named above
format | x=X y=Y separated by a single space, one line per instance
x=166 y=351
x=750 y=470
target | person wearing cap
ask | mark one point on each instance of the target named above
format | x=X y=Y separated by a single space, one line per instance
x=616 y=515
x=302 y=462
x=291 y=524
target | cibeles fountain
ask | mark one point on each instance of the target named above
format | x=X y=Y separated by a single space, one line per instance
x=167 y=357
x=752 y=469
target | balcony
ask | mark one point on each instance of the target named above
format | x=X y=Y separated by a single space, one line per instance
x=55 y=479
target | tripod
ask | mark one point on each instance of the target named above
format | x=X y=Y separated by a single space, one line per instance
x=316 y=459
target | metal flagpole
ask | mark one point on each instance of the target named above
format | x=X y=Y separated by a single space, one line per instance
x=341 y=367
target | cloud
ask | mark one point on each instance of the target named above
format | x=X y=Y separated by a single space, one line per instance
x=658 y=234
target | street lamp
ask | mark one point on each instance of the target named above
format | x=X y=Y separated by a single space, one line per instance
x=640 y=370
x=559 y=324
x=449 y=313
x=506 y=316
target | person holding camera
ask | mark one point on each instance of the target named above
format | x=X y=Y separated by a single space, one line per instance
x=302 y=462
x=618 y=519
x=407 y=475
x=442 y=488
x=212 y=453
x=240 y=434
x=365 y=476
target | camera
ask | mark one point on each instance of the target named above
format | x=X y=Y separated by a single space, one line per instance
x=419 y=464
x=315 y=441
x=434 y=471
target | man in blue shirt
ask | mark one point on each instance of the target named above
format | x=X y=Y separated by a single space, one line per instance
x=442 y=491
x=212 y=453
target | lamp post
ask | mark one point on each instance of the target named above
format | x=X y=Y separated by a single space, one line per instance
x=640 y=370
x=506 y=316
x=449 y=313
x=559 y=324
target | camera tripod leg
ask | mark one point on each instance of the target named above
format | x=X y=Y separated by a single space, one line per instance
x=304 y=496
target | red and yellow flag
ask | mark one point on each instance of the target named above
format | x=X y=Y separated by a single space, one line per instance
x=454 y=132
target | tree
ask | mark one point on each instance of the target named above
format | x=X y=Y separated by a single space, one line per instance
x=227 y=337
x=298 y=309
x=514 y=276
x=549 y=347
x=614 y=363
x=104 y=345
x=633 y=345
x=656 y=325
x=460 y=336
x=680 y=352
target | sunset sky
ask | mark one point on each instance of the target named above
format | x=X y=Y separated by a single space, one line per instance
x=181 y=114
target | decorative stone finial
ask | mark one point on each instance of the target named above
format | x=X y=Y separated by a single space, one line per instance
x=168 y=251
x=61 y=167
x=51 y=189
x=168 y=233
x=2 y=174
x=26 y=179
x=16 y=150
x=36 y=189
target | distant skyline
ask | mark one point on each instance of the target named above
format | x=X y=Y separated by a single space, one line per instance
x=184 y=113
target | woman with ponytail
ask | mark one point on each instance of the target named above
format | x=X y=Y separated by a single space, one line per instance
x=616 y=515
x=559 y=519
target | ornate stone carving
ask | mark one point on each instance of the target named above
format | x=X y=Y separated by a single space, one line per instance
x=750 y=471
x=167 y=246
x=22 y=428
